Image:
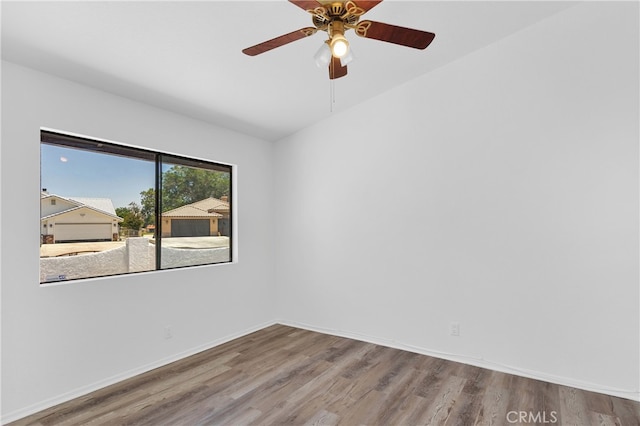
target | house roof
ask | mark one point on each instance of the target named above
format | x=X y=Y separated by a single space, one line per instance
x=190 y=211
x=211 y=204
x=100 y=205
x=209 y=207
x=80 y=208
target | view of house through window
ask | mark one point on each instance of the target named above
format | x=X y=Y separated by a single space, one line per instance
x=195 y=213
x=107 y=209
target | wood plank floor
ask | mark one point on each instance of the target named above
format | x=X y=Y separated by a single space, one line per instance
x=287 y=376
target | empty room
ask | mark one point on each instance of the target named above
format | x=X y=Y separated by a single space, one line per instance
x=315 y=212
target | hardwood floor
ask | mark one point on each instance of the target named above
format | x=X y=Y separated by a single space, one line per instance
x=287 y=376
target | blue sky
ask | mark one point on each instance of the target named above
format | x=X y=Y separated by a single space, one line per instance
x=75 y=173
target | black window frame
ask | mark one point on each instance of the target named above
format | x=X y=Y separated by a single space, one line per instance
x=54 y=138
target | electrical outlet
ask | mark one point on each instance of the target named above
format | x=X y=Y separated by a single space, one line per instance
x=168 y=333
x=455 y=329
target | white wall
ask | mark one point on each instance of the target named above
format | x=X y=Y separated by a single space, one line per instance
x=507 y=183
x=500 y=191
x=58 y=341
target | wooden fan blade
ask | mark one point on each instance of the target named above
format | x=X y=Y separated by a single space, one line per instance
x=279 y=41
x=336 y=70
x=394 y=34
x=354 y=10
x=306 y=4
x=367 y=5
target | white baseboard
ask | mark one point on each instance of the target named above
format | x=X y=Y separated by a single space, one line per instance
x=633 y=395
x=84 y=390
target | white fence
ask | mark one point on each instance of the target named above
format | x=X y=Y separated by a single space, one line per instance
x=137 y=255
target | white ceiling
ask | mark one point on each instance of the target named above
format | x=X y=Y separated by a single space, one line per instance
x=186 y=56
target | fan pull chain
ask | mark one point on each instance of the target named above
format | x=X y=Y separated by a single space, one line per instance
x=332 y=94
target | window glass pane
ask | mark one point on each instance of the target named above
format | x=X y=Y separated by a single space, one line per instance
x=196 y=213
x=109 y=209
x=94 y=219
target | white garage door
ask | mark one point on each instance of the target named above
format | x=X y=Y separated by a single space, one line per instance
x=82 y=231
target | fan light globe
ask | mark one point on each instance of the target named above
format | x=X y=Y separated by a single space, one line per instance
x=323 y=55
x=339 y=46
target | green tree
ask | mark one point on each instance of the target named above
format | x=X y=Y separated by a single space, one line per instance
x=185 y=185
x=132 y=216
x=148 y=206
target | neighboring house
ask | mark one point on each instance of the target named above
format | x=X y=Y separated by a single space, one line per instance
x=66 y=219
x=202 y=218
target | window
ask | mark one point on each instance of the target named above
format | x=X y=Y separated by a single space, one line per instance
x=108 y=209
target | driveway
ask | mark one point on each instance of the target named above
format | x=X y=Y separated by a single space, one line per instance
x=195 y=242
x=62 y=249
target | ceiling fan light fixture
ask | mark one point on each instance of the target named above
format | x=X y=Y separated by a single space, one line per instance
x=339 y=45
x=337 y=41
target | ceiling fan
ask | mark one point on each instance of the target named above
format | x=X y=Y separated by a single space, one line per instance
x=335 y=18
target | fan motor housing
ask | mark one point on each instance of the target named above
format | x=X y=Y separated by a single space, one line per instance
x=335 y=11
